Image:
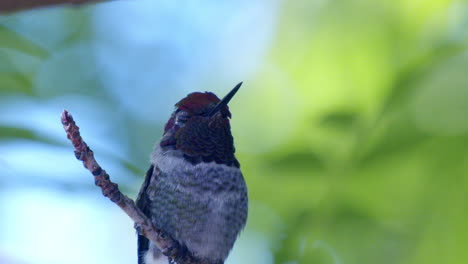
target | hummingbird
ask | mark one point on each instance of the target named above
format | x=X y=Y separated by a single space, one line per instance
x=194 y=190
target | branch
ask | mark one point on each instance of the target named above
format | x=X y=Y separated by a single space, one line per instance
x=7 y=6
x=109 y=189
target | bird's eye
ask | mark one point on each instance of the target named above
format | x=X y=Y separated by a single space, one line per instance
x=182 y=117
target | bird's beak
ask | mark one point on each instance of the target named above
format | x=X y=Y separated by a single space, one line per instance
x=225 y=100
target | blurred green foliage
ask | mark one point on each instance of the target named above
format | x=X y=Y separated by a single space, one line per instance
x=353 y=135
x=375 y=167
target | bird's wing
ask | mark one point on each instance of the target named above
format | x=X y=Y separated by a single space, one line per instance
x=142 y=203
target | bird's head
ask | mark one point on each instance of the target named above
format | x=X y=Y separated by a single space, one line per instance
x=200 y=128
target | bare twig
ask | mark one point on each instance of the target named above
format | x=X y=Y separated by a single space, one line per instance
x=111 y=190
x=143 y=225
x=7 y=6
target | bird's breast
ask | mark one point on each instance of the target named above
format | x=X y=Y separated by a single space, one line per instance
x=202 y=206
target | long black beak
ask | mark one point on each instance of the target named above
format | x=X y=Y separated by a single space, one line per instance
x=225 y=100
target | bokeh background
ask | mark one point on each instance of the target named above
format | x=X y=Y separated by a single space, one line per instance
x=351 y=127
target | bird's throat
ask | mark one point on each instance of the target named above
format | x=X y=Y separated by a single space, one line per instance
x=204 y=139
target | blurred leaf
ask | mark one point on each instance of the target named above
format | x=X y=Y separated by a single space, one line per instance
x=79 y=26
x=339 y=120
x=15 y=83
x=11 y=133
x=295 y=161
x=416 y=70
x=140 y=172
x=12 y=40
x=394 y=137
